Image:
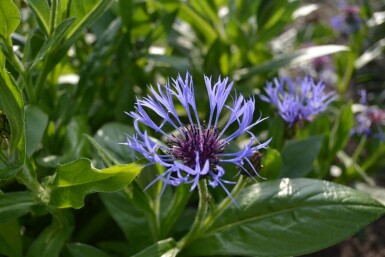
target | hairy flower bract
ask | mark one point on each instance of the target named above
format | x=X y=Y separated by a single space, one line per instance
x=298 y=100
x=191 y=149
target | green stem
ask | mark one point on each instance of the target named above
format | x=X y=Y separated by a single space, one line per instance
x=18 y=65
x=242 y=181
x=199 y=218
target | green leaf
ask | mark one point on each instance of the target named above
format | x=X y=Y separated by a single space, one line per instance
x=287 y=217
x=35 y=124
x=164 y=248
x=290 y=59
x=131 y=219
x=51 y=241
x=14 y=205
x=10 y=239
x=83 y=250
x=298 y=156
x=195 y=19
x=110 y=135
x=41 y=10
x=75 y=180
x=11 y=103
x=55 y=39
x=86 y=12
x=9 y=18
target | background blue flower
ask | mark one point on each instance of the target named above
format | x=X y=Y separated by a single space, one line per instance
x=297 y=101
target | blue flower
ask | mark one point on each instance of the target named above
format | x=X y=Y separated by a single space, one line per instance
x=192 y=150
x=349 y=21
x=297 y=101
x=369 y=119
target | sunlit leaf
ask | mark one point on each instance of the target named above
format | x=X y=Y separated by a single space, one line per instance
x=42 y=13
x=287 y=217
x=9 y=18
x=75 y=180
x=164 y=248
x=290 y=59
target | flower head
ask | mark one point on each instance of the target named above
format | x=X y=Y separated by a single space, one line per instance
x=192 y=150
x=297 y=101
x=369 y=119
x=349 y=21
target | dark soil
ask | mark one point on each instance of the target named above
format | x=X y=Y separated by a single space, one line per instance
x=370 y=242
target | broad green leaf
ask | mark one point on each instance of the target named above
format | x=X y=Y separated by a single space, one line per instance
x=41 y=10
x=341 y=130
x=35 y=123
x=11 y=103
x=54 y=40
x=290 y=59
x=83 y=250
x=9 y=18
x=298 y=156
x=75 y=180
x=51 y=241
x=164 y=248
x=10 y=239
x=14 y=205
x=288 y=217
x=131 y=219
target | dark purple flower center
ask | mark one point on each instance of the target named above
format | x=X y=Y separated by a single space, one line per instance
x=194 y=140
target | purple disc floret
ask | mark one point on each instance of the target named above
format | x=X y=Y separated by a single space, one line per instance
x=191 y=150
x=298 y=100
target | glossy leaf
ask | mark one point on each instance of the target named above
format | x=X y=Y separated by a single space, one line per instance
x=35 y=123
x=9 y=17
x=14 y=205
x=298 y=156
x=287 y=217
x=164 y=248
x=75 y=180
x=10 y=239
x=83 y=250
x=41 y=10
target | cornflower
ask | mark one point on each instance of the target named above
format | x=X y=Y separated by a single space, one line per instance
x=297 y=101
x=369 y=119
x=192 y=150
x=349 y=21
